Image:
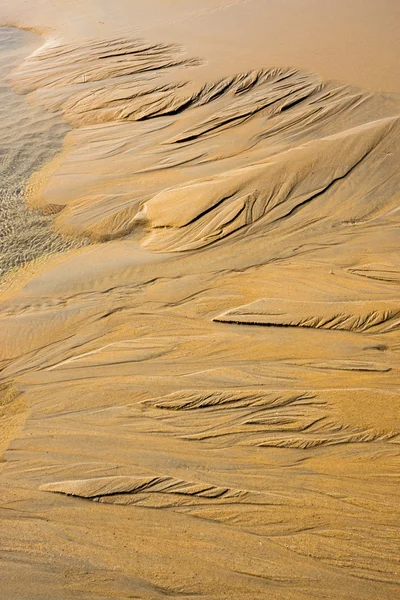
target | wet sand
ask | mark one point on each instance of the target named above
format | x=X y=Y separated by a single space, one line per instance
x=30 y=137
x=205 y=402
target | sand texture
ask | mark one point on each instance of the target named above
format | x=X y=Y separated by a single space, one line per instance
x=199 y=392
x=29 y=138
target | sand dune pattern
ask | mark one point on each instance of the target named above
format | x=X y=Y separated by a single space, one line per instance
x=116 y=82
x=257 y=418
x=263 y=198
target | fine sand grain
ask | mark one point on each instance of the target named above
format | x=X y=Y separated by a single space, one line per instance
x=29 y=138
x=205 y=402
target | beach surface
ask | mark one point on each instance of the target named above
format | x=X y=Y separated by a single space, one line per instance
x=199 y=307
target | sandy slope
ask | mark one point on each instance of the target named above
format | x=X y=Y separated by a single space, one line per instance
x=205 y=402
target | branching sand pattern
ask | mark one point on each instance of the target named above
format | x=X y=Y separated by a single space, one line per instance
x=206 y=406
x=372 y=316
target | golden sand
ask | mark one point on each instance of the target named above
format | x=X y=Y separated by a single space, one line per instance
x=204 y=402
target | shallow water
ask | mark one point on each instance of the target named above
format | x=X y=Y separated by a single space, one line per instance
x=29 y=137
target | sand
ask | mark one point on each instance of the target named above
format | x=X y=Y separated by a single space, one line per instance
x=204 y=401
x=30 y=137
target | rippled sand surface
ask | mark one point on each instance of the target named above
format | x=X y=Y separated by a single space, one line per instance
x=29 y=138
x=204 y=402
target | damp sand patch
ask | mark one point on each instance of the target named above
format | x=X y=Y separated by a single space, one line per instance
x=29 y=138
